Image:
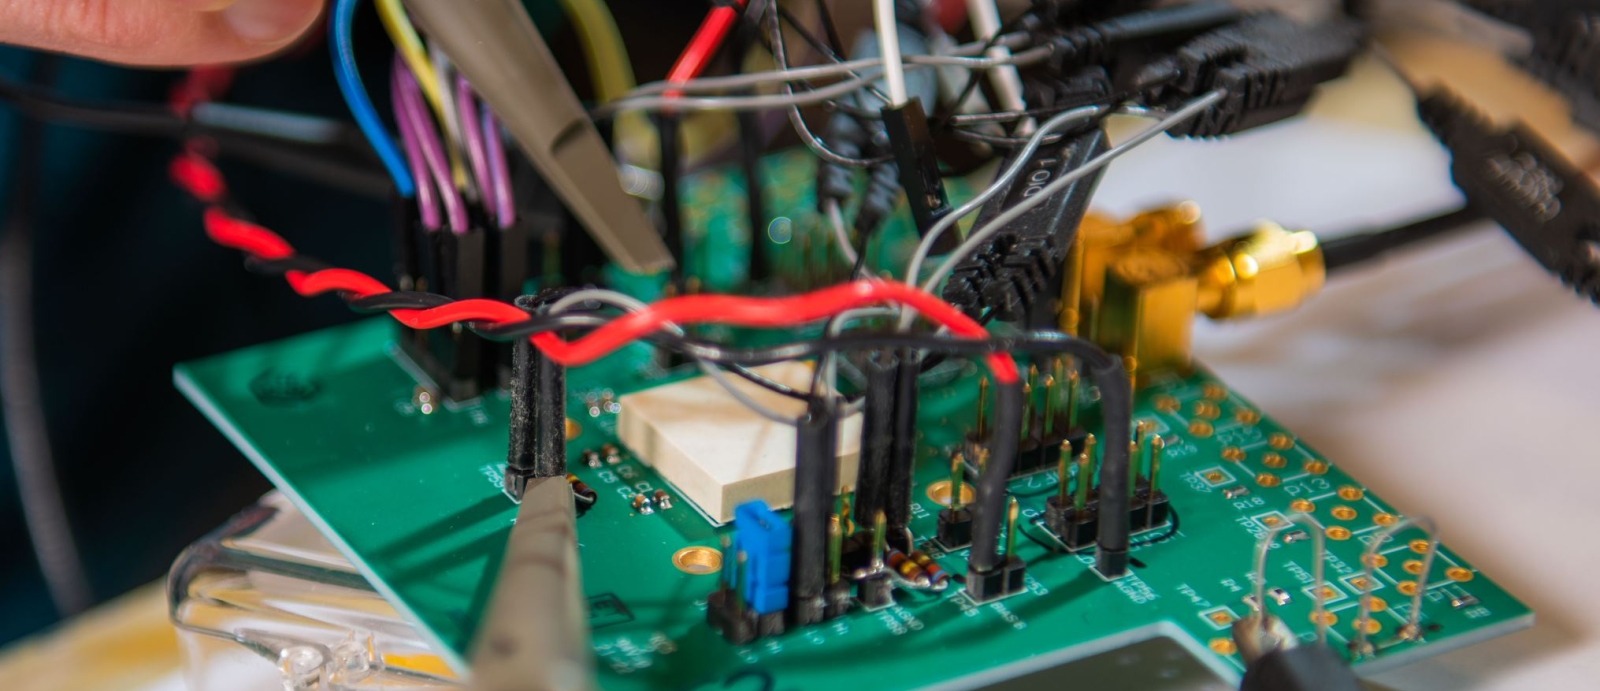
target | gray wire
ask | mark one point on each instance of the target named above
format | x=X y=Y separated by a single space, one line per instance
x=627 y=303
x=851 y=68
x=993 y=227
x=840 y=233
x=780 y=55
x=1000 y=183
x=821 y=94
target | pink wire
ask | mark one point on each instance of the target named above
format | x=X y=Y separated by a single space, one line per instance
x=427 y=197
x=499 y=171
x=467 y=107
x=415 y=111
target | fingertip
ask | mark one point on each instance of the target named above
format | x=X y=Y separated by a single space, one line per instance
x=269 y=23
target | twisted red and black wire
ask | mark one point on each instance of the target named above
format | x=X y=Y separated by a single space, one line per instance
x=269 y=251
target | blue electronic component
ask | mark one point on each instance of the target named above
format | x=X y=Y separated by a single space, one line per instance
x=764 y=538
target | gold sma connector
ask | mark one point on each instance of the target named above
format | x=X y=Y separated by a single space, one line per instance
x=1135 y=286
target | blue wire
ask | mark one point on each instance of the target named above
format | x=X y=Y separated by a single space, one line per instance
x=355 y=94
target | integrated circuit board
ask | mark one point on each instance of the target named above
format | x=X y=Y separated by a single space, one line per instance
x=410 y=491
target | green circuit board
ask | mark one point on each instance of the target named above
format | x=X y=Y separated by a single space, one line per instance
x=414 y=499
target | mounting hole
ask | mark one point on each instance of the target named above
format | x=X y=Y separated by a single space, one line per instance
x=698 y=560
x=939 y=492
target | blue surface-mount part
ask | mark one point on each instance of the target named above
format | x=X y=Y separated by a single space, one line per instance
x=765 y=539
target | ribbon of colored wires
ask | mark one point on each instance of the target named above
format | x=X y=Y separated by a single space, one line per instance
x=413 y=113
x=355 y=94
x=427 y=193
x=499 y=171
x=472 y=136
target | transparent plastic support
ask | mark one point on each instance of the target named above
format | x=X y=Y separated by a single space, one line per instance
x=266 y=603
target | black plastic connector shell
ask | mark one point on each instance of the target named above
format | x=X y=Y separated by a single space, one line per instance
x=911 y=142
x=1016 y=276
x=877 y=436
x=903 y=451
x=1124 y=41
x=815 y=480
x=1549 y=205
x=1268 y=65
x=1564 y=48
x=538 y=442
x=1009 y=578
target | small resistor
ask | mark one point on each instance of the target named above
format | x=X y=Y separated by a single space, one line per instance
x=591 y=458
x=582 y=490
x=643 y=505
x=908 y=569
x=663 y=500
x=936 y=574
x=612 y=455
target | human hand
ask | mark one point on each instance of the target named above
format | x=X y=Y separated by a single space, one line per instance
x=158 y=32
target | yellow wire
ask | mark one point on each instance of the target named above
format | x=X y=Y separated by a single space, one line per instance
x=609 y=67
x=409 y=44
x=406 y=40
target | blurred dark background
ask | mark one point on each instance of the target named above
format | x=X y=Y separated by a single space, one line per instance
x=125 y=285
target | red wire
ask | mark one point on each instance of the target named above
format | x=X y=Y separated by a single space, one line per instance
x=713 y=31
x=259 y=242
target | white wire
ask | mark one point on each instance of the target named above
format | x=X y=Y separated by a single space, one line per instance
x=628 y=303
x=993 y=227
x=1000 y=183
x=859 y=67
x=985 y=17
x=894 y=73
x=840 y=233
x=763 y=102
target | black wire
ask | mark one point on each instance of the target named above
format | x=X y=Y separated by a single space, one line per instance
x=833 y=54
x=669 y=130
x=1111 y=378
x=942 y=124
x=781 y=57
x=336 y=159
x=27 y=433
x=1347 y=251
x=1054 y=546
x=825 y=17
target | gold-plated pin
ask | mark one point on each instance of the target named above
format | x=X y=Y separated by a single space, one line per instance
x=1157 y=447
x=1133 y=469
x=1027 y=408
x=1049 y=417
x=983 y=402
x=1072 y=400
x=835 y=549
x=1080 y=503
x=1085 y=474
x=880 y=540
x=1058 y=373
x=1062 y=466
x=958 y=474
x=1011 y=526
